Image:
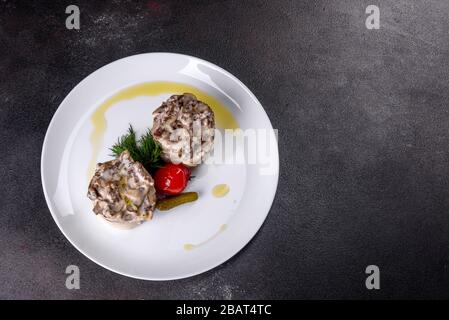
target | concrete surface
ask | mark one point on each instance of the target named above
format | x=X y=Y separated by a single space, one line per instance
x=363 y=122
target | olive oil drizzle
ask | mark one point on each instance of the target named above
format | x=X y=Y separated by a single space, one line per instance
x=223 y=117
x=189 y=246
x=220 y=190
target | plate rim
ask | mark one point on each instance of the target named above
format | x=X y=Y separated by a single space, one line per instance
x=189 y=274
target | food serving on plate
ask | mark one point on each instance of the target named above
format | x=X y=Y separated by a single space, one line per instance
x=184 y=127
x=123 y=190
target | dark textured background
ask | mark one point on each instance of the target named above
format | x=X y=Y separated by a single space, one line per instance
x=363 y=121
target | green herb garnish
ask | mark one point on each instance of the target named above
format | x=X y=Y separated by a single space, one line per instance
x=145 y=150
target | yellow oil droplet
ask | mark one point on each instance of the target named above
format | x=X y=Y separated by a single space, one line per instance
x=223 y=117
x=220 y=190
x=189 y=246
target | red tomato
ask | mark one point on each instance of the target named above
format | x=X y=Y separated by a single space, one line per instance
x=171 y=178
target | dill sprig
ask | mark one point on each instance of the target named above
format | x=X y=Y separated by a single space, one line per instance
x=144 y=150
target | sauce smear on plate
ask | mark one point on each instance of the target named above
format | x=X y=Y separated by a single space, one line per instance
x=220 y=190
x=223 y=117
x=189 y=246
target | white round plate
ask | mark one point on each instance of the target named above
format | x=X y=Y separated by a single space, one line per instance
x=189 y=239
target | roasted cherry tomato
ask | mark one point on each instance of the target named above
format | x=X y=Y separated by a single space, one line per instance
x=171 y=178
